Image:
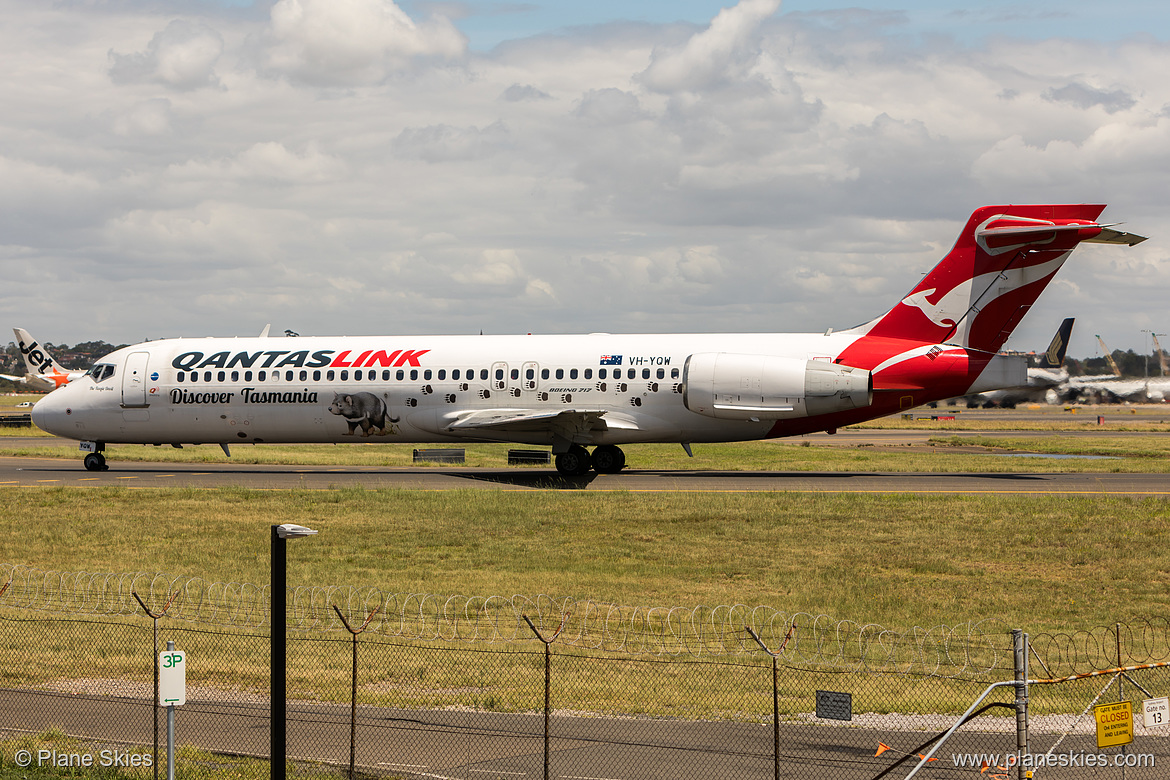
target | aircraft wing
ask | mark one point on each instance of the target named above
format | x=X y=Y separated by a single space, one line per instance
x=32 y=381
x=1134 y=390
x=567 y=423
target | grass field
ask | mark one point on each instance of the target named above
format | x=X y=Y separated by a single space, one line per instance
x=1048 y=563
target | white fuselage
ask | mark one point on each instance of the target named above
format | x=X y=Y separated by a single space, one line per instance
x=252 y=390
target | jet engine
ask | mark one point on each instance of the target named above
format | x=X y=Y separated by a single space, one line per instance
x=732 y=386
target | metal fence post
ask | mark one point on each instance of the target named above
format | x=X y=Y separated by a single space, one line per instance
x=547 y=678
x=353 y=685
x=1020 y=661
x=155 y=618
x=1120 y=684
x=775 y=694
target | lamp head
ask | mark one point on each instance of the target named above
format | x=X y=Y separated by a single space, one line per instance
x=293 y=531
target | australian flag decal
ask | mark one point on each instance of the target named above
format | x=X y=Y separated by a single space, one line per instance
x=611 y=360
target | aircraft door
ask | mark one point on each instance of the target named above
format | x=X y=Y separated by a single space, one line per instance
x=134 y=380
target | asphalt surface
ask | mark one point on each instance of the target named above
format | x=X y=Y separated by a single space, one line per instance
x=40 y=472
x=469 y=745
x=45 y=472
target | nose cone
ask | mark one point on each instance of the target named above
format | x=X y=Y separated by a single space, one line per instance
x=52 y=413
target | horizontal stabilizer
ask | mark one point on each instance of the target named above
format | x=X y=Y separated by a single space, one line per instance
x=1110 y=236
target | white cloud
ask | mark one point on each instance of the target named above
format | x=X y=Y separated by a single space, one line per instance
x=183 y=56
x=340 y=166
x=265 y=161
x=719 y=55
x=150 y=117
x=353 y=41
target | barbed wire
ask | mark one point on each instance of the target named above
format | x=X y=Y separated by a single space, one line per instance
x=814 y=641
x=1137 y=641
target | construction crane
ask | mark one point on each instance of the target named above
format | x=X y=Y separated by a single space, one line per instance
x=1109 y=356
x=1158 y=347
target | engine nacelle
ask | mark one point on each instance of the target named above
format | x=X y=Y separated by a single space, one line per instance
x=732 y=386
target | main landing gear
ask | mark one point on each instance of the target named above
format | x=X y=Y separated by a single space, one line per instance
x=606 y=459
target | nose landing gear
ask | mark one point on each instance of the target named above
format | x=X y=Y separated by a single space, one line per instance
x=95 y=461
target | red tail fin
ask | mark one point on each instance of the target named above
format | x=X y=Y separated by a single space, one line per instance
x=1003 y=260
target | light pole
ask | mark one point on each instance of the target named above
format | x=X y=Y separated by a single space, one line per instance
x=278 y=620
x=1147 y=331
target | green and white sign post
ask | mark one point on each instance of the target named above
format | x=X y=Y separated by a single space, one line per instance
x=172 y=692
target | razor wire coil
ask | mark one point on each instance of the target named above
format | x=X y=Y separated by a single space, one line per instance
x=814 y=641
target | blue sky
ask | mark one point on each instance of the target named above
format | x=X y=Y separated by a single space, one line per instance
x=490 y=22
x=206 y=167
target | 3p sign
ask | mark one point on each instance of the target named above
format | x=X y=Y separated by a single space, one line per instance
x=172 y=678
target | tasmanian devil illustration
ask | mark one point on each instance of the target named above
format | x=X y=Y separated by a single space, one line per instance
x=362 y=409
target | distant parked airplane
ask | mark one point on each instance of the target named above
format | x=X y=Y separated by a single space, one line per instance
x=43 y=372
x=1044 y=380
x=601 y=390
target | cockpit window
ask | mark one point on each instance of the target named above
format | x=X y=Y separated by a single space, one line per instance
x=101 y=372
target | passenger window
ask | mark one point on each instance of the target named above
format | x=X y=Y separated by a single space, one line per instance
x=386 y=375
x=530 y=374
x=304 y=375
x=247 y=376
x=316 y=376
x=235 y=376
x=413 y=374
x=344 y=376
x=179 y=376
x=515 y=374
x=442 y=374
x=645 y=373
x=206 y=376
x=560 y=373
x=662 y=373
x=220 y=376
x=483 y=373
x=400 y=375
x=261 y=376
x=572 y=373
x=674 y=373
x=427 y=374
x=455 y=375
x=288 y=376
x=499 y=373
x=329 y=375
x=544 y=373
x=589 y=373
x=631 y=373
x=603 y=373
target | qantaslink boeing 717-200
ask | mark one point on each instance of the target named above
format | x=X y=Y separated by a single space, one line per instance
x=597 y=391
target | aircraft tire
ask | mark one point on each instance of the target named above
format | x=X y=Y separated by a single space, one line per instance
x=608 y=459
x=573 y=463
x=95 y=461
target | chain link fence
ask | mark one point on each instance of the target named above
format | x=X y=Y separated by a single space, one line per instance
x=413 y=686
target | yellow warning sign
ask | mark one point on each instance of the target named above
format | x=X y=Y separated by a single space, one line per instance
x=1114 y=724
